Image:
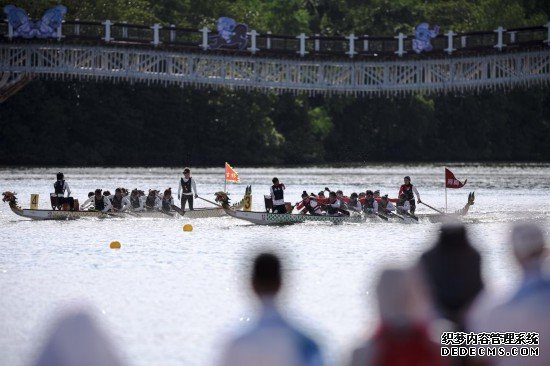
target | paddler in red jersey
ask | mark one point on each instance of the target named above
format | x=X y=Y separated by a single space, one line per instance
x=309 y=205
x=409 y=191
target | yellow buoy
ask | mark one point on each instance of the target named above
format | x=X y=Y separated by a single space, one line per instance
x=115 y=245
x=187 y=227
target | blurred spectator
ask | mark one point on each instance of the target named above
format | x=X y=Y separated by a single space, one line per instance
x=272 y=341
x=453 y=273
x=77 y=341
x=528 y=310
x=402 y=337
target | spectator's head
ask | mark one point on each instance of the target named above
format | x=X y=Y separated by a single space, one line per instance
x=266 y=275
x=402 y=298
x=453 y=235
x=528 y=244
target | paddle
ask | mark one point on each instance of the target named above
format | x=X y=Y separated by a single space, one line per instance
x=204 y=199
x=178 y=210
x=405 y=213
x=381 y=216
x=435 y=209
x=391 y=214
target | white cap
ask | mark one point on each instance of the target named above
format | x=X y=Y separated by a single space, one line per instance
x=527 y=241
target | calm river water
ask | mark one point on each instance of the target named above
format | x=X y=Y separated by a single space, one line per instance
x=173 y=298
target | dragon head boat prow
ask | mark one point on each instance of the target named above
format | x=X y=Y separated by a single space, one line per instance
x=9 y=197
x=223 y=198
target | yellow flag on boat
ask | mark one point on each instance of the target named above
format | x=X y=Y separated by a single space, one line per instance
x=230 y=174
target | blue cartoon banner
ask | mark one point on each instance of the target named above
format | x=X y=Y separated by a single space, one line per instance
x=46 y=27
x=230 y=35
x=423 y=36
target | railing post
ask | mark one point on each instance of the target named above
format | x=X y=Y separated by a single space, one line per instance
x=512 y=37
x=317 y=43
x=253 y=35
x=400 y=50
x=302 y=37
x=172 y=33
x=500 y=44
x=547 y=41
x=366 y=43
x=204 y=31
x=77 y=27
x=156 y=37
x=10 y=31
x=463 y=41
x=351 y=52
x=268 y=41
x=107 y=25
x=60 y=31
x=450 y=34
x=124 y=30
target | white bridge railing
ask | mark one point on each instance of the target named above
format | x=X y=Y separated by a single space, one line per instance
x=97 y=63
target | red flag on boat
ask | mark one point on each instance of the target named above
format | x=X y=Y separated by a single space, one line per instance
x=451 y=181
x=230 y=174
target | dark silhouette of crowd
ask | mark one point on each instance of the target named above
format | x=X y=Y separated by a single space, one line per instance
x=418 y=307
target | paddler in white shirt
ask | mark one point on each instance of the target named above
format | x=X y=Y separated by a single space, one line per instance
x=385 y=206
x=402 y=204
x=101 y=203
x=334 y=204
x=309 y=205
x=119 y=202
x=167 y=200
x=354 y=204
x=89 y=203
x=370 y=205
x=136 y=201
x=152 y=201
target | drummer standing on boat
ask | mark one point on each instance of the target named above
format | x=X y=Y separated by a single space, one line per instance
x=278 y=196
x=187 y=188
x=410 y=191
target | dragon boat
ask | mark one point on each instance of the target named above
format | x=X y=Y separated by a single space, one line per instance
x=268 y=218
x=42 y=214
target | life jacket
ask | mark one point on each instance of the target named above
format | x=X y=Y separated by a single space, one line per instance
x=135 y=202
x=150 y=202
x=369 y=203
x=117 y=203
x=58 y=186
x=99 y=205
x=408 y=190
x=312 y=210
x=166 y=204
x=278 y=192
x=186 y=186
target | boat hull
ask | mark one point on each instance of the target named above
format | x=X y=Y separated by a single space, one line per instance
x=267 y=218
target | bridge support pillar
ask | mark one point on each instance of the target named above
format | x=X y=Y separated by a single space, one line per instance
x=156 y=37
x=268 y=41
x=172 y=33
x=366 y=43
x=317 y=44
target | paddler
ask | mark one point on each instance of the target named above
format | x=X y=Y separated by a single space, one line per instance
x=136 y=201
x=167 y=200
x=101 y=202
x=309 y=205
x=403 y=206
x=278 y=196
x=119 y=202
x=385 y=206
x=187 y=188
x=60 y=187
x=410 y=191
x=353 y=204
x=370 y=205
x=89 y=203
x=334 y=204
x=152 y=201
